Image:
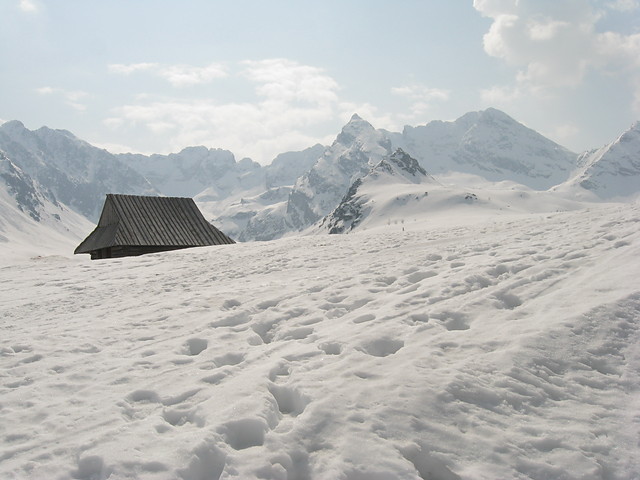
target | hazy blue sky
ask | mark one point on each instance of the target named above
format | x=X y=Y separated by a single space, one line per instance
x=260 y=77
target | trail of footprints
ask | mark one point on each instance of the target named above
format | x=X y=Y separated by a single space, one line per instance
x=423 y=290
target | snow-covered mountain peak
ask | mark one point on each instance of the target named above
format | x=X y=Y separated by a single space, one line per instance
x=402 y=162
x=71 y=170
x=490 y=116
x=384 y=181
x=612 y=170
x=400 y=165
x=357 y=148
x=356 y=127
x=13 y=126
x=46 y=132
x=632 y=134
x=493 y=114
x=490 y=144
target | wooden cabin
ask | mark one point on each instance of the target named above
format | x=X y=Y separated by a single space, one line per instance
x=134 y=225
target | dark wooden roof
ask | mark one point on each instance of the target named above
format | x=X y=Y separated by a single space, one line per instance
x=130 y=220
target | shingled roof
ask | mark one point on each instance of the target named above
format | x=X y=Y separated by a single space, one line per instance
x=153 y=223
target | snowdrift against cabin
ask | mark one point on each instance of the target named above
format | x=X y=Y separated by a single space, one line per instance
x=133 y=225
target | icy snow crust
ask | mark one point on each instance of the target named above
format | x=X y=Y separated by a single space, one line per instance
x=507 y=348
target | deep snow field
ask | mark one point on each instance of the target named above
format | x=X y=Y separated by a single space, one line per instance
x=496 y=349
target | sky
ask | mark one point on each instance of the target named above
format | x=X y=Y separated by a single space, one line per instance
x=264 y=77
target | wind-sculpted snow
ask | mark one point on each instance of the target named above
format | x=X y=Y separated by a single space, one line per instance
x=506 y=348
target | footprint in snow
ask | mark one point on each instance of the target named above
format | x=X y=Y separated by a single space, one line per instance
x=381 y=347
x=452 y=320
x=205 y=458
x=194 y=346
x=232 y=320
x=299 y=333
x=367 y=317
x=280 y=372
x=417 y=277
x=214 y=379
x=507 y=300
x=244 y=433
x=229 y=359
x=267 y=304
x=331 y=348
x=289 y=400
x=231 y=304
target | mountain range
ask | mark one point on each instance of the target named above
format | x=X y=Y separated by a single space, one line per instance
x=50 y=177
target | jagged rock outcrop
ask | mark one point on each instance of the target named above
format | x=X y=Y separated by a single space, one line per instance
x=391 y=172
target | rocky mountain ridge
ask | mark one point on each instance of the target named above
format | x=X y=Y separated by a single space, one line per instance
x=395 y=169
x=612 y=171
x=299 y=189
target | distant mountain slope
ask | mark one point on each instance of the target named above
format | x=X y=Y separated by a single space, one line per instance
x=398 y=193
x=357 y=148
x=287 y=167
x=491 y=144
x=390 y=174
x=611 y=171
x=298 y=189
x=70 y=170
x=195 y=169
x=30 y=223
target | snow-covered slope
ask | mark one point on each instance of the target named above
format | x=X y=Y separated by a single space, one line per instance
x=398 y=192
x=491 y=144
x=257 y=213
x=356 y=149
x=612 y=171
x=30 y=223
x=503 y=349
x=287 y=167
x=253 y=202
x=70 y=170
x=390 y=175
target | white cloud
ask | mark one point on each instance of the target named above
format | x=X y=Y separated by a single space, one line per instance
x=564 y=133
x=500 y=95
x=422 y=93
x=554 y=44
x=283 y=81
x=45 y=90
x=636 y=96
x=28 y=6
x=123 y=69
x=421 y=97
x=293 y=99
x=185 y=75
x=72 y=97
x=296 y=105
x=624 y=5
x=176 y=75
